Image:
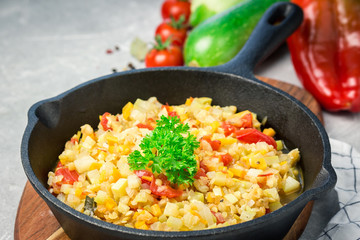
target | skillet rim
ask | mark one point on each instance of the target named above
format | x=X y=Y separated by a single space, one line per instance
x=305 y=197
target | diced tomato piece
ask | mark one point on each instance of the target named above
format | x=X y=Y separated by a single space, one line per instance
x=164 y=190
x=104 y=121
x=252 y=135
x=228 y=128
x=173 y=114
x=219 y=217
x=148 y=126
x=215 y=144
x=141 y=173
x=170 y=113
x=226 y=159
x=200 y=173
x=74 y=140
x=203 y=166
x=69 y=177
x=247 y=120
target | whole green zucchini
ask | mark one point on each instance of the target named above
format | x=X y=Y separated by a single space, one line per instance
x=204 y=9
x=219 y=38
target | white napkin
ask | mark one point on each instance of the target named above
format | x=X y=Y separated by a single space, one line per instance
x=345 y=224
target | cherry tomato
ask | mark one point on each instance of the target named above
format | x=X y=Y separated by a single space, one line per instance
x=69 y=177
x=252 y=135
x=171 y=56
x=176 y=32
x=176 y=9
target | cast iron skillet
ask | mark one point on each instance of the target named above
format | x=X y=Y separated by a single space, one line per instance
x=53 y=121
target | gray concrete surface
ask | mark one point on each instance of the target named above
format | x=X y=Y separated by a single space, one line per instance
x=47 y=47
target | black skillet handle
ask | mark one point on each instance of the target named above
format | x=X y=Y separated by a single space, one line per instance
x=277 y=23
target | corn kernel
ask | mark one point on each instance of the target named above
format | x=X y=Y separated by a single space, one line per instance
x=147 y=178
x=194 y=132
x=189 y=101
x=215 y=125
x=269 y=131
x=227 y=141
x=111 y=139
x=110 y=203
x=95 y=165
x=127 y=110
x=238 y=172
x=258 y=163
x=183 y=117
x=156 y=210
x=141 y=225
x=78 y=192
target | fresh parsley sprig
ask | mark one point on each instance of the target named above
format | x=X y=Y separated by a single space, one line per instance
x=168 y=149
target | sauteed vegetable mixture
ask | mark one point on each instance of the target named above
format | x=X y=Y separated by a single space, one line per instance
x=176 y=168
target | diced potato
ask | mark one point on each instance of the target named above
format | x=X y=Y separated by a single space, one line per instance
x=124 y=167
x=93 y=176
x=248 y=214
x=88 y=143
x=204 y=100
x=291 y=185
x=231 y=198
x=254 y=172
x=217 y=191
x=118 y=188
x=190 y=220
x=174 y=223
x=294 y=156
x=66 y=188
x=272 y=194
x=275 y=206
x=83 y=164
x=123 y=208
x=196 y=196
x=67 y=156
x=219 y=179
x=171 y=209
x=271 y=160
x=101 y=197
x=134 y=181
x=141 y=197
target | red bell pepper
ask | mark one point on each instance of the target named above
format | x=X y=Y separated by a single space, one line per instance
x=252 y=135
x=325 y=52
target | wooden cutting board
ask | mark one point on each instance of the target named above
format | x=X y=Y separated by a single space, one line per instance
x=35 y=221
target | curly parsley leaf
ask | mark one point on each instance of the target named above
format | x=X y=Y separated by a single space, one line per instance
x=168 y=149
